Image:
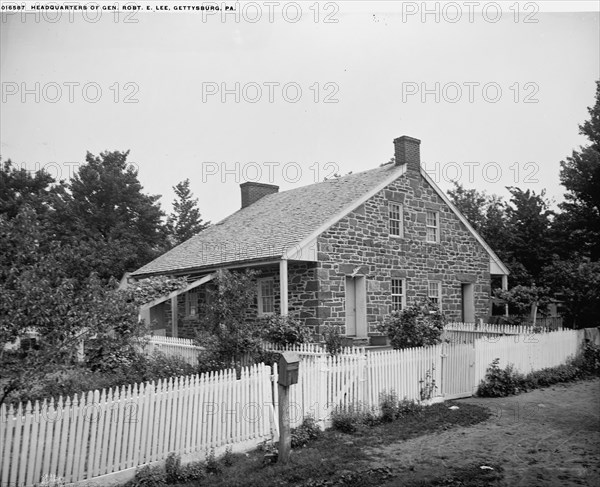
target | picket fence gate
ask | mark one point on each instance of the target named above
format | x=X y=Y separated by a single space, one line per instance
x=103 y=434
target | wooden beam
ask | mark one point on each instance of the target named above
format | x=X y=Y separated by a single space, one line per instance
x=189 y=287
x=283 y=286
x=174 y=314
x=505 y=288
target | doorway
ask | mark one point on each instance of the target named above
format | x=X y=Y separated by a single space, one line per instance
x=356 y=306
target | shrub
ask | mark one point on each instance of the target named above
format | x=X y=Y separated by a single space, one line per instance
x=589 y=360
x=420 y=324
x=349 y=418
x=283 y=331
x=193 y=471
x=333 y=339
x=389 y=405
x=173 y=468
x=51 y=480
x=176 y=473
x=500 y=382
x=212 y=464
x=306 y=432
x=407 y=407
x=346 y=420
x=149 y=476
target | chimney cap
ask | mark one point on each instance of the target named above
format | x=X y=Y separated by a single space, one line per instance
x=407 y=138
x=258 y=185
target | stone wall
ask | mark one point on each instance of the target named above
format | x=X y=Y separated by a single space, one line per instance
x=360 y=243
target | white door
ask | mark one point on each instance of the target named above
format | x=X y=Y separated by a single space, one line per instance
x=356 y=306
x=468 y=303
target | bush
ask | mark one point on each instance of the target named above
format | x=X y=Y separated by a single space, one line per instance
x=212 y=464
x=390 y=406
x=283 y=331
x=333 y=339
x=176 y=473
x=348 y=419
x=419 y=325
x=149 y=476
x=306 y=432
x=589 y=360
x=500 y=382
x=503 y=382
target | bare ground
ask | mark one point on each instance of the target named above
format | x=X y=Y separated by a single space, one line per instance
x=548 y=437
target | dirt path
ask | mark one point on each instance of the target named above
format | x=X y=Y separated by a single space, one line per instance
x=548 y=437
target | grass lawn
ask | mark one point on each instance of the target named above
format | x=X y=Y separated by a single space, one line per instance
x=342 y=459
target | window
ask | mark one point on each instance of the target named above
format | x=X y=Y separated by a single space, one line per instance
x=398 y=294
x=396 y=220
x=191 y=304
x=433 y=226
x=435 y=292
x=266 y=296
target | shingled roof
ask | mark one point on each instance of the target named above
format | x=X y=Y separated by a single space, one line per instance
x=269 y=227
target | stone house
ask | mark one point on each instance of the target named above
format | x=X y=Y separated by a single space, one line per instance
x=345 y=252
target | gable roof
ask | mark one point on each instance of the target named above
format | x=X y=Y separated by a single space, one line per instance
x=271 y=226
x=280 y=225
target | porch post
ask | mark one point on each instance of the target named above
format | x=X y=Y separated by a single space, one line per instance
x=505 y=288
x=283 y=286
x=174 y=332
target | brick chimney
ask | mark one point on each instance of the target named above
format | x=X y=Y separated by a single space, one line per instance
x=252 y=192
x=407 y=151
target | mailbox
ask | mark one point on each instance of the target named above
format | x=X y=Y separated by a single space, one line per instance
x=289 y=364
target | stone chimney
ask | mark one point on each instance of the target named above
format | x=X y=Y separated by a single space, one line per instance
x=252 y=192
x=407 y=151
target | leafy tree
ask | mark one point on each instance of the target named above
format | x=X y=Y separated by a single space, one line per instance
x=226 y=332
x=185 y=221
x=418 y=325
x=529 y=219
x=578 y=226
x=472 y=204
x=577 y=284
x=525 y=301
x=38 y=293
x=110 y=215
x=19 y=187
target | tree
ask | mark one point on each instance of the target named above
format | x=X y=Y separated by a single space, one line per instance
x=19 y=187
x=185 y=221
x=577 y=284
x=109 y=216
x=578 y=226
x=472 y=204
x=525 y=301
x=529 y=219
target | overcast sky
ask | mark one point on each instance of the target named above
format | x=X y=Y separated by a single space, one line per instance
x=498 y=97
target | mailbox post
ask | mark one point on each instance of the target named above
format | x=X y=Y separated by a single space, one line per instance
x=288 y=368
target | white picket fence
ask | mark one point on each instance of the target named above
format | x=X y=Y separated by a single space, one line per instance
x=454 y=369
x=456 y=332
x=97 y=434
x=103 y=434
x=183 y=348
